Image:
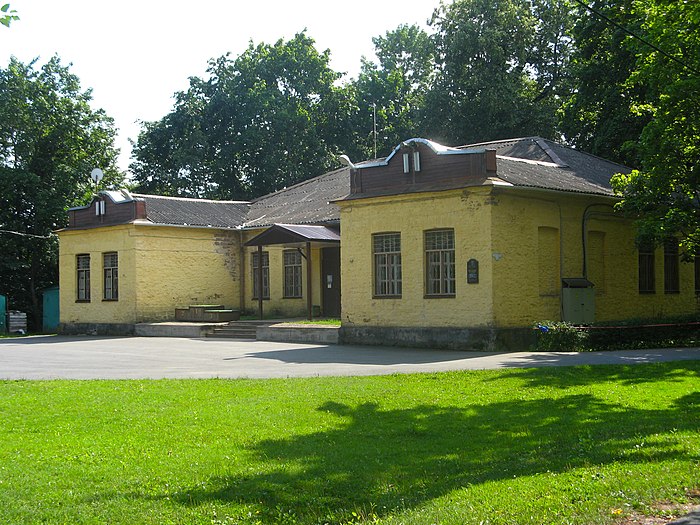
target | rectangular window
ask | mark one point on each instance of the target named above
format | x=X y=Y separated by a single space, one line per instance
x=265 y=275
x=387 y=264
x=111 y=276
x=671 y=273
x=646 y=270
x=440 y=263
x=83 y=266
x=292 y=273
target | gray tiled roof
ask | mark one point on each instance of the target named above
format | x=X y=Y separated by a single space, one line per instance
x=194 y=212
x=308 y=202
x=554 y=166
x=525 y=162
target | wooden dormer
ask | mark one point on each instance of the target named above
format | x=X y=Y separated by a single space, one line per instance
x=419 y=165
x=107 y=208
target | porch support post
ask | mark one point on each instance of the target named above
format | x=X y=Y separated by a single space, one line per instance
x=309 y=302
x=260 y=281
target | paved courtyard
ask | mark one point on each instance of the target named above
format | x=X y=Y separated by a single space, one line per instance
x=58 y=357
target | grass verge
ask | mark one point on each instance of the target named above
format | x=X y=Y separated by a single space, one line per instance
x=576 y=445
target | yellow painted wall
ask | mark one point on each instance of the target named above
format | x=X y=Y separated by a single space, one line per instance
x=95 y=242
x=525 y=241
x=278 y=305
x=537 y=234
x=177 y=267
x=160 y=269
x=468 y=212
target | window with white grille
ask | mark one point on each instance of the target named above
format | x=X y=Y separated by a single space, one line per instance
x=83 y=277
x=292 y=273
x=440 y=263
x=387 y=264
x=111 y=276
x=265 y=275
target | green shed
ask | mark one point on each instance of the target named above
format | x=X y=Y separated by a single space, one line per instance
x=51 y=310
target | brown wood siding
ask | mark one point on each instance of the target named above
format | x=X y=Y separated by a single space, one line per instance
x=122 y=213
x=437 y=172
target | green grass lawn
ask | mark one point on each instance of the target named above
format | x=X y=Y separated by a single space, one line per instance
x=585 y=445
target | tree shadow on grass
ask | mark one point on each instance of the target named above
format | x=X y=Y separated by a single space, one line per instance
x=567 y=377
x=380 y=461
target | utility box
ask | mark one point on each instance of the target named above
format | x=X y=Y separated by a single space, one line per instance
x=577 y=301
x=3 y=314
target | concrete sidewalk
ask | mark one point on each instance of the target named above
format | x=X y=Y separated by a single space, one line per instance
x=58 y=357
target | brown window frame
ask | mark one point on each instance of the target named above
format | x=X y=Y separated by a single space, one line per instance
x=266 y=274
x=386 y=262
x=110 y=276
x=672 y=281
x=444 y=259
x=646 y=265
x=292 y=274
x=82 y=277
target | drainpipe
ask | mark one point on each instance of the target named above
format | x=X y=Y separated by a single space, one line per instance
x=584 y=234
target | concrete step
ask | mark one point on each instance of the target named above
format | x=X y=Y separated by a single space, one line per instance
x=236 y=330
x=232 y=335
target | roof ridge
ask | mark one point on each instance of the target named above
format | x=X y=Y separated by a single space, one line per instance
x=498 y=141
x=533 y=162
x=188 y=199
x=587 y=153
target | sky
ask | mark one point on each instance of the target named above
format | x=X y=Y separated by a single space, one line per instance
x=135 y=55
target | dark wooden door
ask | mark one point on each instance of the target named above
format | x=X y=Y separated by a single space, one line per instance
x=330 y=281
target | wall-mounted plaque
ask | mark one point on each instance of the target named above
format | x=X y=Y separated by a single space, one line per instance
x=472 y=271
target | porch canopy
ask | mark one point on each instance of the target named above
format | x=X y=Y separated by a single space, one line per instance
x=294 y=236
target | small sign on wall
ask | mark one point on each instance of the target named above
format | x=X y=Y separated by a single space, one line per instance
x=472 y=271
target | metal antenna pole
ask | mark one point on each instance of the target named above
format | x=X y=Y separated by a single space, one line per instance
x=374 y=115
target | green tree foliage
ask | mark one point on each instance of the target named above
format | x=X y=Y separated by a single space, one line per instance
x=7 y=15
x=267 y=119
x=50 y=140
x=600 y=117
x=396 y=87
x=665 y=192
x=501 y=67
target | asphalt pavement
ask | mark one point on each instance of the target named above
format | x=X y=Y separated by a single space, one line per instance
x=91 y=357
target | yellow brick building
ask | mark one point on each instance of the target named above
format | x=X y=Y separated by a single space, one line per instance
x=455 y=247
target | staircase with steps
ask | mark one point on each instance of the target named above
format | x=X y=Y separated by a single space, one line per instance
x=238 y=330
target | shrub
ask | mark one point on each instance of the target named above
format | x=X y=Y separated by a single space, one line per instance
x=556 y=336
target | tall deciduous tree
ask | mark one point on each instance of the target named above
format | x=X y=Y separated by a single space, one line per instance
x=50 y=140
x=601 y=115
x=500 y=67
x=665 y=192
x=394 y=88
x=267 y=119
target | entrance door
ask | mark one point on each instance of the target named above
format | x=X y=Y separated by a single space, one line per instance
x=330 y=281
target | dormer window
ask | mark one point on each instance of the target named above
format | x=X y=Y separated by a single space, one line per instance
x=99 y=207
x=407 y=162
